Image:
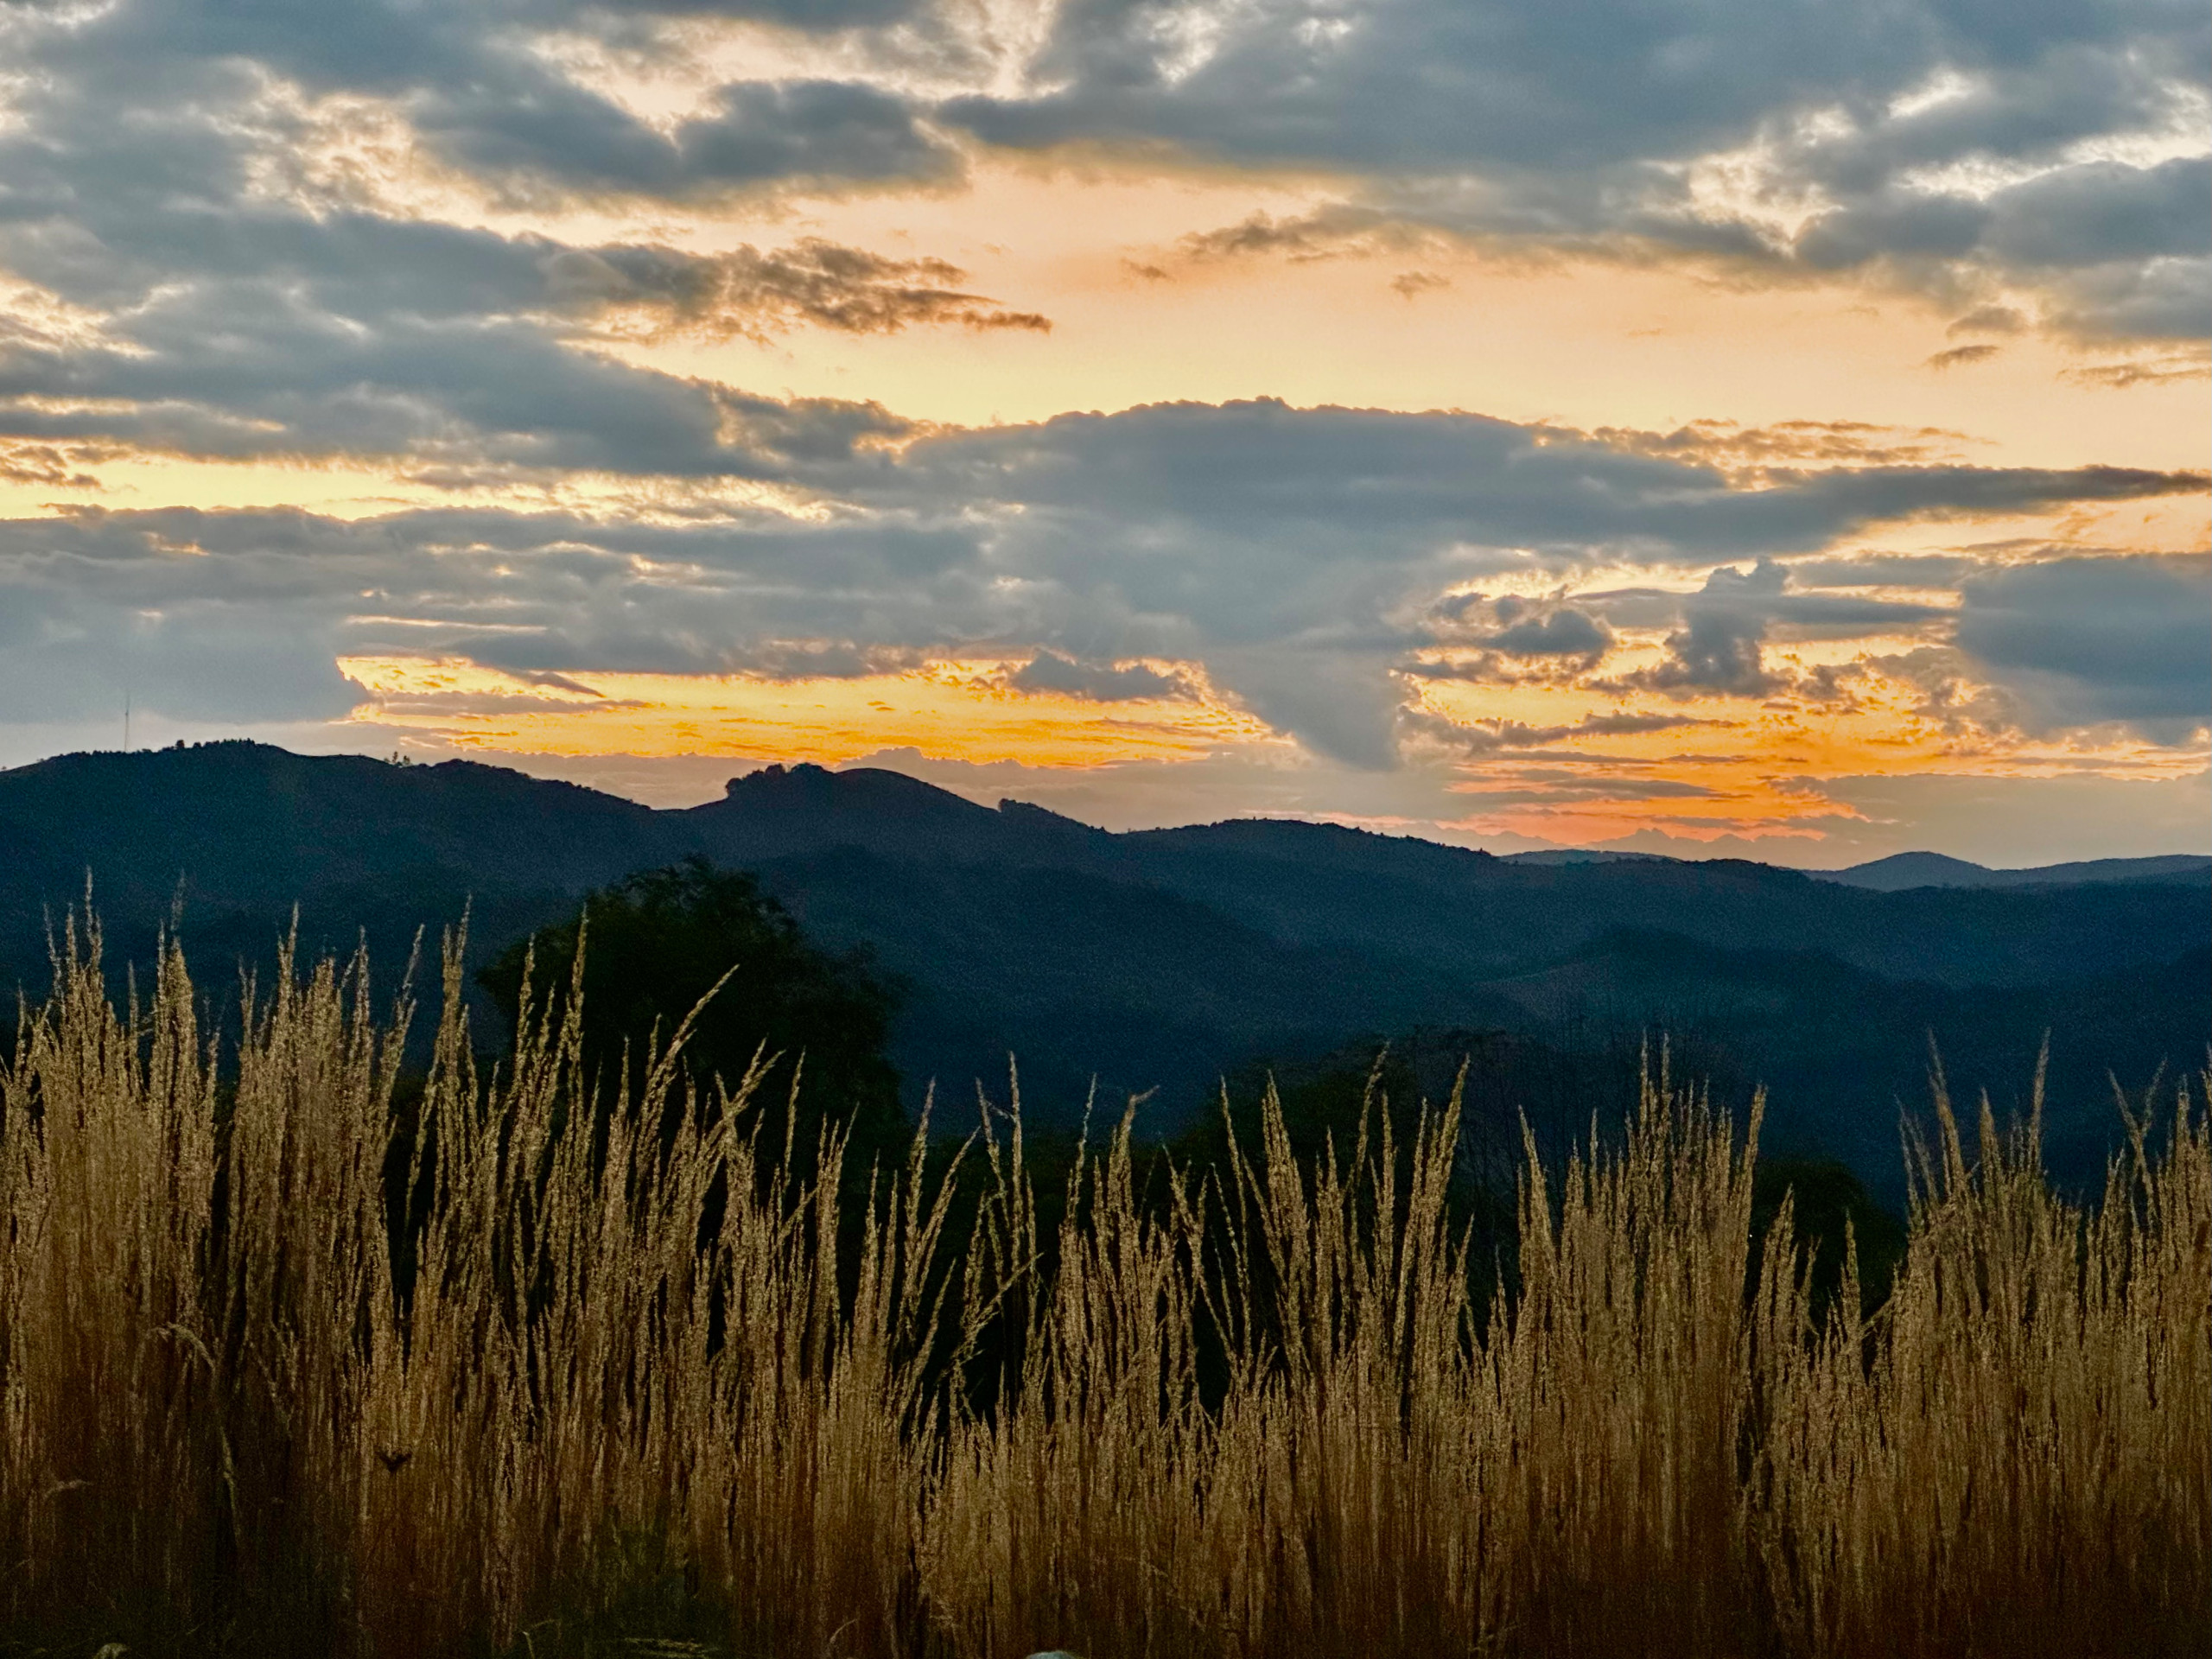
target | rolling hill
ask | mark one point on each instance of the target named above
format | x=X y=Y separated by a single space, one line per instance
x=1164 y=959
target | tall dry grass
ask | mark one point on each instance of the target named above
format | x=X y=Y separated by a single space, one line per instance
x=288 y=1366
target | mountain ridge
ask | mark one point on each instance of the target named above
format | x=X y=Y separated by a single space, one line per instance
x=1158 y=959
x=1901 y=872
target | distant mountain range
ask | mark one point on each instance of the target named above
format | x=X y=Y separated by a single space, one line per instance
x=1901 y=871
x=1164 y=959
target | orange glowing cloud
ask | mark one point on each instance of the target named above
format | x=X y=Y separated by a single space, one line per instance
x=962 y=709
x=1540 y=761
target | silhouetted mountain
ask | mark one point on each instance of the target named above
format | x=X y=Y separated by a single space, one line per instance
x=1901 y=871
x=1584 y=856
x=1166 y=958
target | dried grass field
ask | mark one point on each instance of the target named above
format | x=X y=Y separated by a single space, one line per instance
x=294 y=1361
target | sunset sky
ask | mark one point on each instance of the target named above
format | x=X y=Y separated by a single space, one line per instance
x=1769 y=428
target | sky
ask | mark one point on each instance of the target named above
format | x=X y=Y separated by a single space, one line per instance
x=1724 y=428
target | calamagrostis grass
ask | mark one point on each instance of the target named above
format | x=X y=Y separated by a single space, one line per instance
x=293 y=1358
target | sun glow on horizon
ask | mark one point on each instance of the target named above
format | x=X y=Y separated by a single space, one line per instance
x=965 y=709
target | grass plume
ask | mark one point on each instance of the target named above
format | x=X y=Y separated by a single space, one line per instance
x=287 y=1364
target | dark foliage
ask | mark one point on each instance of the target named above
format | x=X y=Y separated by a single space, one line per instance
x=657 y=945
x=1829 y=1206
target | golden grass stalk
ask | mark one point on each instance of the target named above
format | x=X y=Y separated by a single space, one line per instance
x=291 y=1362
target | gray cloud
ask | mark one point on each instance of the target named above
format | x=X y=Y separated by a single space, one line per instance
x=478 y=91
x=2080 y=641
x=1718 y=647
x=248 y=313
x=1750 y=451
x=1499 y=736
x=752 y=293
x=1582 y=123
x=1517 y=639
x=1429 y=85
x=808 y=132
x=1563 y=633
x=1883 y=570
x=1277 y=543
x=1579 y=123
x=1724 y=626
x=1988 y=320
x=279 y=335
x=241 y=325
x=1049 y=670
x=1296 y=554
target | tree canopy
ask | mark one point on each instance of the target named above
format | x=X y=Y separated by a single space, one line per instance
x=658 y=941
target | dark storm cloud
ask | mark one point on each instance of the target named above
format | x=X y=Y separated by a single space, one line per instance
x=2085 y=640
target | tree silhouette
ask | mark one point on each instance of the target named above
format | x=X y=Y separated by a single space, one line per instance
x=657 y=942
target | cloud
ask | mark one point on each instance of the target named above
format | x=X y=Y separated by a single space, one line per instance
x=1293 y=550
x=1515 y=637
x=1562 y=633
x=1486 y=737
x=2122 y=251
x=1427 y=84
x=1297 y=554
x=1718 y=648
x=1412 y=284
x=237 y=313
x=1959 y=357
x=360 y=339
x=1929 y=570
x=1749 y=452
x=1960 y=149
x=2084 y=640
x=747 y=292
x=1989 y=320
x=1049 y=670
x=229 y=303
x=539 y=136
x=2159 y=300
x=1952 y=148
x=478 y=89
x=2157 y=369
x=1336 y=230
